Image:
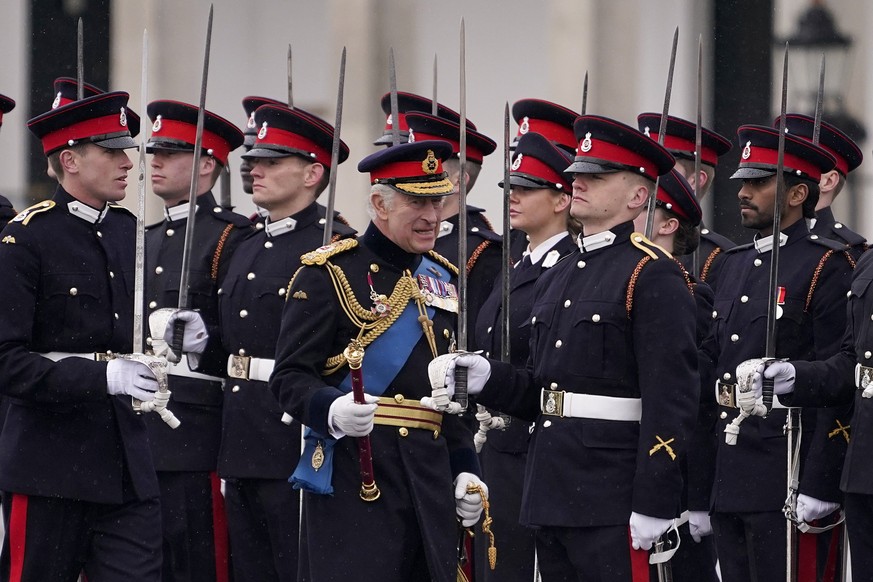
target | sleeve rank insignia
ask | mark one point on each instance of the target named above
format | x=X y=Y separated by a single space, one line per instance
x=665 y=445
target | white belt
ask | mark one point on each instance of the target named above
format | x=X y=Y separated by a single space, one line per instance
x=248 y=368
x=569 y=404
x=183 y=369
x=726 y=395
x=95 y=356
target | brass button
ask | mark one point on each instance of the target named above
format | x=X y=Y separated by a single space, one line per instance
x=553 y=386
x=727 y=376
x=436 y=434
x=243 y=313
x=567 y=303
x=447 y=334
x=398 y=398
x=403 y=431
x=595 y=318
x=559 y=343
x=867 y=355
x=581 y=264
x=374 y=267
x=744 y=299
x=758 y=262
x=547 y=424
x=735 y=337
x=282 y=292
x=723 y=415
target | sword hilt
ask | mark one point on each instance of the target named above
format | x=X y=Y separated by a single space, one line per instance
x=767 y=389
x=175 y=354
x=461 y=387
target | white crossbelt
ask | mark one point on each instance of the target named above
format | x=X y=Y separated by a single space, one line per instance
x=572 y=405
x=247 y=368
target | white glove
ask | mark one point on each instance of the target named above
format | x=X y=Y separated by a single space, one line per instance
x=699 y=525
x=195 y=337
x=441 y=372
x=751 y=404
x=158 y=403
x=782 y=374
x=468 y=506
x=809 y=508
x=131 y=378
x=646 y=530
x=348 y=418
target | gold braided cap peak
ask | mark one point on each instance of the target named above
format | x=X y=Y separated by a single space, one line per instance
x=321 y=255
x=640 y=241
x=443 y=261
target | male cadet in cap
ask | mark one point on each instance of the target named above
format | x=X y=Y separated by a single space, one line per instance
x=290 y=162
x=80 y=492
x=680 y=141
x=408 y=103
x=390 y=291
x=848 y=156
x=195 y=544
x=612 y=342
x=539 y=206
x=67 y=91
x=677 y=215
x=813 y=279
x=483 y=260
x=555 y=123
x=6 y=210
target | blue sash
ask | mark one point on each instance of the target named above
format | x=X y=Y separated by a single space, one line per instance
x=383 y=360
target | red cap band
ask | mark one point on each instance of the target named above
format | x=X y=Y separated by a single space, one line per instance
x=84 y=129
x=288 y=139
x=179 y=130
x=842 y=163
x=606 y=151
x=549 y=129
x=400 y=170
x=766 y=156
x=533 y=167
x=401 y=125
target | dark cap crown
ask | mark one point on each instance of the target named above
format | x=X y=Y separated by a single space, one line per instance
x=175 y=128
x=607 y=145
x=679 y=138
x=407 y=103
x=540 y=163
x=760 y=155
x=424 y=126
x=835 y=142
x=284 y=132
x=553 y=121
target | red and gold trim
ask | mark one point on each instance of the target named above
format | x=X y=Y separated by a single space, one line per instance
x=398 y=411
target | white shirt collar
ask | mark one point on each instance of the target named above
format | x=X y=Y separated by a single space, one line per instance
x=596 y=241
x=446 y=227
x=87 y=213
x=280 y=226
x=538 y=253
x=765 y=244
x=178 y=212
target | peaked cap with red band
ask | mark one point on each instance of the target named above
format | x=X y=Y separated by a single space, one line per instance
x=6 y=105
x=680 y=138
x=607 y=146
x=676 y=195
x=251 y=104
x=67 y=91
x=408 y=103
x=760 y=155
x=102 y=120
x=831 y=139
x=284 y=132
x=424 y=126
x=540 y=163
x=175 y=129
x=412 y=168
x=553 y=121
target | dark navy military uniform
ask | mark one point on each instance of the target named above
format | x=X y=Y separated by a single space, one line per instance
x=258 y=450
x=710 y=253
x=616 y=320
x=504 y=454
x=829 y=227
x=484 y=254
x=410 y=532
x=814 y=273
x=75 y=460
x=186 y=457
x=7 y=212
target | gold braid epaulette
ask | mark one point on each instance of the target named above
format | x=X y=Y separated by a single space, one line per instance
x=25 y=215
x=443 y=261
x=641 y=242
x=320 y=255
x=817 y=273
x=475 y=255
x=216 y=257
x=707 y=265
x=371 y=324
x=629 y=298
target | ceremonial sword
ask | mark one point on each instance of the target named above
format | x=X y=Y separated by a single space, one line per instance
x=698 y=144
x=392 y=81
x=460 y=371
x=80 y=61
x=650 y=206
x=175 y=354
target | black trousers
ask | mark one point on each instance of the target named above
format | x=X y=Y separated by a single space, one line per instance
x=589 y=554
x=54 y=540
x=750 y=546
x=693 y=561
x=859 y=524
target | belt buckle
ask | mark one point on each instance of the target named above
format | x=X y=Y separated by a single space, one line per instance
x=239 y=367
x=553 y=402
x=727 y=394
x=103 y=357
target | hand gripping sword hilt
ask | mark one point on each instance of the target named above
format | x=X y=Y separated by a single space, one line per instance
x=158 y=366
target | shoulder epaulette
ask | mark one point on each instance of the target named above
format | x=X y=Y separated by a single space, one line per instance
x=739 y=248
x=321 y=255
x=718 y=240
x=231 y=217
x=826 y=242
x=852 y=238
x=25 y=215
x=641 y=242
x=341 y=229
x=443 y=261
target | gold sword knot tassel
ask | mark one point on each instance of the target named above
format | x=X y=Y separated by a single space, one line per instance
x=486 y=523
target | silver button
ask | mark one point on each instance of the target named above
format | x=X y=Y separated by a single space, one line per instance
x=235 y=389
x=220 y=290
x=489 y=329
x=170 y=232
x=744 y=299
x=487 y=354
x=714 y=314
x=74 y=291
x=282 y=292
x=758 y=262
x=259 y=226
x=99 y=234
x=567 y=303
x=217 y=209
x=553 y=386
x=533 y=320
x=581 y=264
x=735 y=337
x=268 y=245
x=474 y=229
x=547 y=424
x=727 y=376
x=723 y=415
x=250 y=276
x=813 y=237
x=116 y=315
x=868 y=355
x=159 y=270
x=595 y=318
x=322 y=221
x=243 y=313
x=559 y=343
x=111 y=275
x=838 y=225
x=704 y=231
x=153 y=304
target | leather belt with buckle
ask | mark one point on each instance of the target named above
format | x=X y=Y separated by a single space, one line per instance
x=572 y=405
x=248 y=368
